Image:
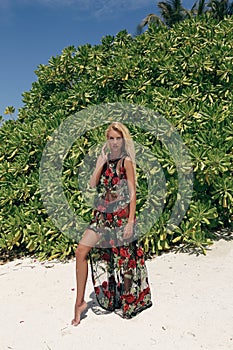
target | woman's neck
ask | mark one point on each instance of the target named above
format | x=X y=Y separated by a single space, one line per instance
x=115 y=155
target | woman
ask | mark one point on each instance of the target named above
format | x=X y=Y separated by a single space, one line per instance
x=118 y=268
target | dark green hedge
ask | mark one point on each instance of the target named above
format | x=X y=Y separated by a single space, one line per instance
x=185 y=74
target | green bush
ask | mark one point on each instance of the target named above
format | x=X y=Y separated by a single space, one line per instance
x=185 y=74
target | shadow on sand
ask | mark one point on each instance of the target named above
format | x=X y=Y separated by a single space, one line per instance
x=94 y=306
x=192 y=248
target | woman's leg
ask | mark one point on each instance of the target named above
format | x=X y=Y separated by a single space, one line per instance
x=89 y=239
x=127 y=281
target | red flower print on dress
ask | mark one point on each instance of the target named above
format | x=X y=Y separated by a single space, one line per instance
x=147 y=290
x=105 y=284
x=142 y=262
x=106 y=182
x=115 y=180
x=129 y=298
x=115 y=250
x=124 y=253
x=126 y=308
x=122 y=213
x=141 y=297
x=109 y=217
x=120 y=262
x=122 y=170
x=106 y=257
x=107 y=294
x=132 y=264
x=97 y=290
x=109 y=172
x=139 y=252
x=119 y=222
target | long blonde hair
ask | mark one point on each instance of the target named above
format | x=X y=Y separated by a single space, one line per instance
x=128 y=142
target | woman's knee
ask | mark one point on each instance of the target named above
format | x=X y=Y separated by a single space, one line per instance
x=81 y=252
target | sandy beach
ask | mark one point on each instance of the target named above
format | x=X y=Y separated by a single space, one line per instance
x=192 y=306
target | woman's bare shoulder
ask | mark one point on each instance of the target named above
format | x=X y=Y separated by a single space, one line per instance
x=128 y=160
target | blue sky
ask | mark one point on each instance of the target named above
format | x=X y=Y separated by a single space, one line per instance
x=34 y=30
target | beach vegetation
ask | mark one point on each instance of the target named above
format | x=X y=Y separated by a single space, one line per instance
x=183 y=73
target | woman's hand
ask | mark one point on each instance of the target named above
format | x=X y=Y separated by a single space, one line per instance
x=128 y=230
x=103 y=157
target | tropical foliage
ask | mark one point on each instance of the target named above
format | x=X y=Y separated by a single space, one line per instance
x=172 y=11
x=10 y=110
x=183 y=73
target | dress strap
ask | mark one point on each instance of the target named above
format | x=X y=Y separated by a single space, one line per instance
x=123 y=159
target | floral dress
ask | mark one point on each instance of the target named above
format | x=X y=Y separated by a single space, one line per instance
x=118 y=267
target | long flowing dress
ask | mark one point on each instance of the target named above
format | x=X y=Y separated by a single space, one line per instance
x=118 y=267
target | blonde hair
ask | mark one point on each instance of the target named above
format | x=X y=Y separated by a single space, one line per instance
x=128 y=142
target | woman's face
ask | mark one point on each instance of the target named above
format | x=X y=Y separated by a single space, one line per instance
x=115 y=141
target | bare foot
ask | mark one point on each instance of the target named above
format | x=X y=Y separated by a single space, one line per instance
x=77 y=313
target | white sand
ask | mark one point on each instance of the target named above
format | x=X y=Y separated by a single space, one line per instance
x=192 y=306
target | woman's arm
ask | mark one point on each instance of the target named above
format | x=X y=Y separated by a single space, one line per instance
x=98 y=168
x=132 y=195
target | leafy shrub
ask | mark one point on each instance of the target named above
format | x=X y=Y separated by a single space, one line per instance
x=185 y=74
